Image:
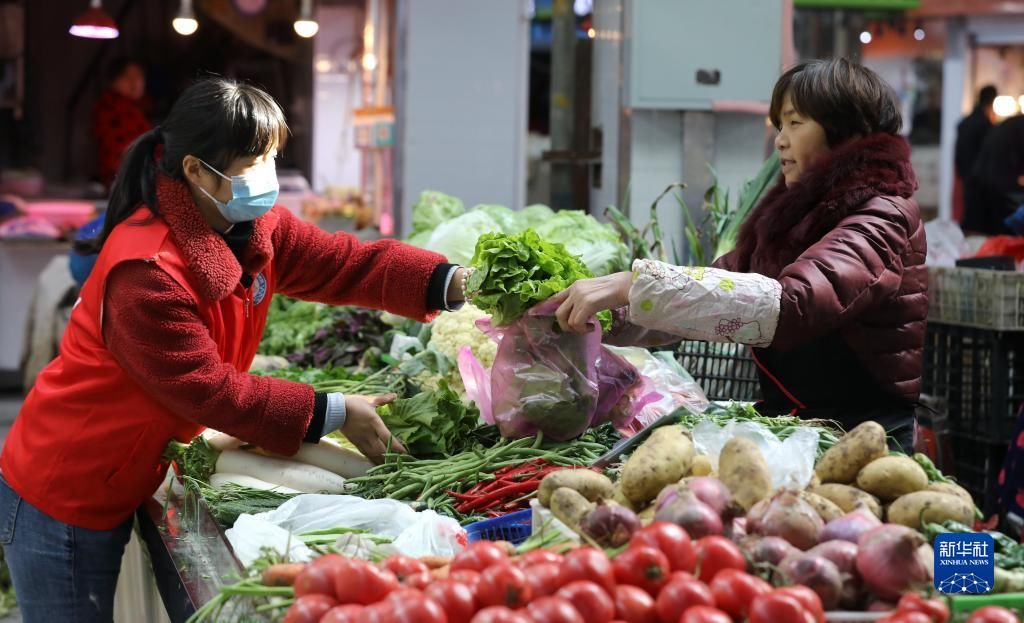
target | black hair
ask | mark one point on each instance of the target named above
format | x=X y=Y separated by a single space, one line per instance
x=847 y=99
x=117 y=66
x=987 y=95
x=215 y=120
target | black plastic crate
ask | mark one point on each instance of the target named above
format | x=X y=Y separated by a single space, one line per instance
x=725 y=371
x=979 y=373
x=976 y=466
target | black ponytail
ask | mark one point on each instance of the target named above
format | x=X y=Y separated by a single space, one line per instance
x=216 y=120
x=134 y=184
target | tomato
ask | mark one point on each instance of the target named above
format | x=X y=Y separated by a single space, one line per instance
x=349 y=613
x=479 y=556
x=936 y=609
x=309 y=609
x=538 y=556
x=315 y=580
x=466 y=576
x=807 y=598
x=457 y=599
x=544 y=578
x=415 y=607
x=634 y=605
x=642 y=566
x=500 y=614
x=778 y=608
x=906 y=617
x=992 y=614
x=588 y=564
x=734 y=590
x=383 y=612
x=419 y=580
x=553 y=610
x=403 y=566
x=590 y=600
x=715 y=553
x=678 y=596
x=680 y=575
x=359 y=582
x=503 y=585
x=704 y=614
x=672 y=540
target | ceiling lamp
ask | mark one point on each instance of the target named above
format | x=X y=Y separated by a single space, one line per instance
x=94 y=23
x=185 y=24
x=306 y=26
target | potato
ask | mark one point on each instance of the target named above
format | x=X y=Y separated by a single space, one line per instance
x=646 y=516
x=848 y=498
x=662 y=460
x=826 y=508
x=590 y=485
x=701 y=465
x=930 y=506
x=742 y=468
x=1009 y=581
x=842 y=462
x=951 y=489
x=570 y=507
x=890 y=477
x=620 y=499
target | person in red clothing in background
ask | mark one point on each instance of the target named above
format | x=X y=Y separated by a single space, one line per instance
x=120 y=116
x=160 y=342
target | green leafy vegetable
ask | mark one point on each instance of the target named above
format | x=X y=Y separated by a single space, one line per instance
x=431 y=424
x=291 y=324
x=456 y=239
x=431 y=209
x=597 y=244
x=196 y=460
x=515 y=272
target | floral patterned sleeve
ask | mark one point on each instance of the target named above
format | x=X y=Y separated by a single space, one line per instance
x=707 y=304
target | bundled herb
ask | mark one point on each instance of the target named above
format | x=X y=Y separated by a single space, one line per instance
x=331 y=379
x=514 y=272
x=431 y=424
x=196 y=460
x=230 y=501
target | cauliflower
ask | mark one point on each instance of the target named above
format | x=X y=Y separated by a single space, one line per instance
x=453 y=330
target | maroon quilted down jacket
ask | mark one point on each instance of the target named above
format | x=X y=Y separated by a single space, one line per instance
x=848 y=246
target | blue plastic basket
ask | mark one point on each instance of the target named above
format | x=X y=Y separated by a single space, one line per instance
x=514 y=528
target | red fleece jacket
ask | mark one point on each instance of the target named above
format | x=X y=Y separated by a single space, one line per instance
x=152 y=327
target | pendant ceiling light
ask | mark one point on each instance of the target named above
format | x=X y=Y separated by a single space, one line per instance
x=306 y=25
x=94 y=23
x=185 y=23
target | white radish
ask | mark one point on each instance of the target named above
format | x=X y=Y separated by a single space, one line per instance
x=332 y=456
x=221 y=441
x=305 y=478
x=219 y=480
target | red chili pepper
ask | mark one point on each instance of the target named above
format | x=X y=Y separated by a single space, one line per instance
x=516 y=490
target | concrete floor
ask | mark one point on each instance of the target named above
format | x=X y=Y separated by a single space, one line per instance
x=9 y=406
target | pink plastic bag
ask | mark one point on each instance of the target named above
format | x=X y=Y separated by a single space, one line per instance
x=544 y=380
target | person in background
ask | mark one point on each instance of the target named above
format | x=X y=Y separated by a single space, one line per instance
x=970 y=135
x=999 y=174
x=80 y=263
x=827 y=282
x=120 y=116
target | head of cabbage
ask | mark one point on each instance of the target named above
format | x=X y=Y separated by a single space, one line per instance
x=456 y=239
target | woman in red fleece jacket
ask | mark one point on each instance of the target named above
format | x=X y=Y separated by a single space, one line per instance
x=160 y=342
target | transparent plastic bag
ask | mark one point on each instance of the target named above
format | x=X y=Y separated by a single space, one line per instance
x=663 y=388
x=544 y=380
x=791 y=462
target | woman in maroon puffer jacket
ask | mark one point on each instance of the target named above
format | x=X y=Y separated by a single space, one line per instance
x=827 y=282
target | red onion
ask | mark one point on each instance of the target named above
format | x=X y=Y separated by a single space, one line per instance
x=689 y=513
x=816 y=573
x=735 y=529
x=894 y=559
x=712 y=492
x=768 y=549
x=850 y=526
x=610 y=525
x=844 y=555
x=786 y=515
x=667 y=496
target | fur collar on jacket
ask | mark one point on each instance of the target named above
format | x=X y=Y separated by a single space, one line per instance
x=790 y=219
x=205 y=252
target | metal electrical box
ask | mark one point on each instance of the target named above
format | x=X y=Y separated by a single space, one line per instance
x=684 y=54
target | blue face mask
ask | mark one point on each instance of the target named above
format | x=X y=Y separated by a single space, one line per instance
x=252 y=194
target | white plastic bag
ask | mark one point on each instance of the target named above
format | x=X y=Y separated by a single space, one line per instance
x=414 y=534
x=791 y=462
x=946 y=243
